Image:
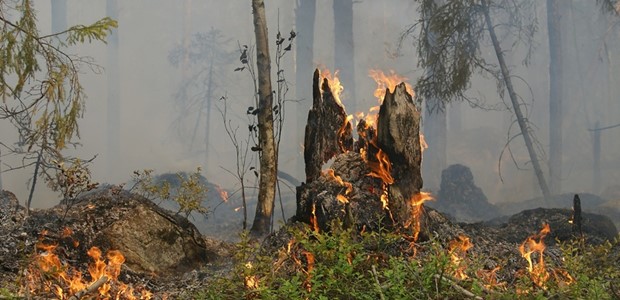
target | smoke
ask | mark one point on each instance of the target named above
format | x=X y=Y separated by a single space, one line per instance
x=149 y=30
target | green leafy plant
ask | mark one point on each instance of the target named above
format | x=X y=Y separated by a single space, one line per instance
x=189 y=193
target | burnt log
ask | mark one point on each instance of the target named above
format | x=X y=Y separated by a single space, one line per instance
x=398 y=135
x=328 y=132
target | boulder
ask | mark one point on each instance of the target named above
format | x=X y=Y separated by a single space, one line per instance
x=461 y=198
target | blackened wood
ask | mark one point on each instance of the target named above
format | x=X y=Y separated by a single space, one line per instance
x=398 y=135
x=328 y=133
x=577 y=216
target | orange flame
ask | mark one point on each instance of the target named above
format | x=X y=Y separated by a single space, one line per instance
x=313 y=220
x=416 y=212
x=334 y=83
x=387 y=82
x=535 y=243
x=423 y=144
x=223 y=193
x=310 y=259
x=458 y=249
x=489 y=277
x=251 y=281
x=332 y=175
x=382 y=168
x=47 y=274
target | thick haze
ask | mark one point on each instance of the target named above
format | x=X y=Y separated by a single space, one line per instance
x=149 y=30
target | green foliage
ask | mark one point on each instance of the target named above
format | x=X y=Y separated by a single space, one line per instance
x=451 y=35
x=339 y=265
x=594 y=270
x=40 y=89
x=348 y=265
x=189 y=193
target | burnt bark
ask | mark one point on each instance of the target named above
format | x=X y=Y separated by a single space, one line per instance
x=328 y=133
x=354 y=190
x=398 y=135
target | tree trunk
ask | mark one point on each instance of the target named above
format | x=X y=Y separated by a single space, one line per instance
x=268 y=159
x=114 y=105
x=344 y=58
x=554 y=18
x=515 y=104
x=304 y=54
x=398 y=135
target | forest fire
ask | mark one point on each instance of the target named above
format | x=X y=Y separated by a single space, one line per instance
x=416 y=212
x=535 y=244
x=48 y=275
x=334 y=83
x=458 y=249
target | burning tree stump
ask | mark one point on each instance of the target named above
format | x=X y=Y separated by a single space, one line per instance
x=398 y=135
x=374 y=184
x=328 y=132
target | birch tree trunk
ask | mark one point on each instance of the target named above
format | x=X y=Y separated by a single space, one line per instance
x=268 y=158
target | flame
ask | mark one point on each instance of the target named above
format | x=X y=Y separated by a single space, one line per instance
x=47 y=274
x=423 y=144
x=223 y=193
x=388 y=82
x=313 y=221
x=489 y=277
x=332 y=175
x=251 y=281
x=381 y=168
x=535 y=243
x=347 y=185
x=458 y=249
x=310 y=259
x=334 y=83
x=416 y=212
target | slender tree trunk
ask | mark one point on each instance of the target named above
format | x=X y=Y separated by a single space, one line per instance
x=208 y=113
x=114 y=106
x=34 y=180
x=515 y=104
x=555 y=94
x=304 y=54
x=268 y=158
x=344 y=53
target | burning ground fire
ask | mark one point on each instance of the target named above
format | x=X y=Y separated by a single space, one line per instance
x=48 y=275
x=381 y=168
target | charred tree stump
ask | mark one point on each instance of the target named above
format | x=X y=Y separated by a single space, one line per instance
x=328 y=132
x=373 y=182
x=398 y=135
